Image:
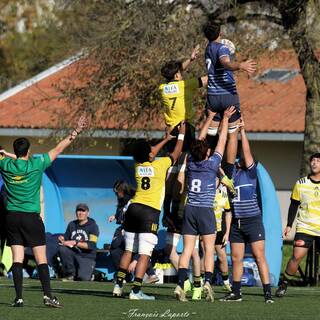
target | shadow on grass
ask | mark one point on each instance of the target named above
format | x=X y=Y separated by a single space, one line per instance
x=81 y=292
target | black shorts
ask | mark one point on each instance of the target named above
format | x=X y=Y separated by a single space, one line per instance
x=219 y=238
x=25 y=229
x=198 y=221
x=304 y=240
x=219 y=103
x=189 y=137
x=247 y=230
x=140 y=218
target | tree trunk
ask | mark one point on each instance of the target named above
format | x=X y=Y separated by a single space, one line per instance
x=294 y=18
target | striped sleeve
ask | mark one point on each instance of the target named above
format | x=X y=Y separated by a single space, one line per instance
x=223 y=52
x=252 y=171
x=215 y=160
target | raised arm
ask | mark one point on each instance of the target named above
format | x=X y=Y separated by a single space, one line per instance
x=206 y=125
x=249 y=66
x=247 y=155
x=62 y=145
x=178 y=148
x=194 y=54
x=224 y=130
x=8 y=154
x=155 y=149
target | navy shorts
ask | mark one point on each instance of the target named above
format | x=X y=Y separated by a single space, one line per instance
x=198 y=221
x=219 y=103
x=247 y=230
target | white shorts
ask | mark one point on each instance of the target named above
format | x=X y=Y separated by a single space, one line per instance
x=142 y=243
x=172 y=239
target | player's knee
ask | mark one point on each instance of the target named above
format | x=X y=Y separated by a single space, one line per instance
x=236 y=259
x=296 y=259
x=260 y=259
x=63 y=250
x=222 y=256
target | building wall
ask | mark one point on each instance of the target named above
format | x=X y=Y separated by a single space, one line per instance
x=282 y=159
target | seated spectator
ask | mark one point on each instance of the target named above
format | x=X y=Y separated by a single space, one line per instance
x=77 y=249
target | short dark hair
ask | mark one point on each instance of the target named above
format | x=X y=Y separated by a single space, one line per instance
x=170 y=68
x=315 y=155
x=211 y=30
x=123 y=186
x=141 y=151
x=199 y=149
x=21 y=147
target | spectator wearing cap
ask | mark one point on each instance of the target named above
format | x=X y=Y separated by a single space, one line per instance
x=77 y=249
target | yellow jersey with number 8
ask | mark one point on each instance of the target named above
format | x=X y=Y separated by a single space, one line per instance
x=177 y=99
x=151 y=179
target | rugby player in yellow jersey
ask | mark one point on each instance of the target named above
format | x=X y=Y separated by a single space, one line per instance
x=305 y=200
x=222 y=212
x=177 y=96
x=142 y=216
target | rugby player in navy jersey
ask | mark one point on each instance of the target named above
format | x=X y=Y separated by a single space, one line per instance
x=198 y=218
x=222 y=90
x=246 y=226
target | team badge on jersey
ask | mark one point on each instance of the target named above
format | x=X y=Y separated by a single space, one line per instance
x=171 y=88
x=145 y=171
x=316 y=192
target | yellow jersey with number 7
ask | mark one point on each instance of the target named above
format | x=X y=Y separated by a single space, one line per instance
x=151 y=179
x=177 y=99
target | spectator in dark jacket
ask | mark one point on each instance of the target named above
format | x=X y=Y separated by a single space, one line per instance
x=77 y=249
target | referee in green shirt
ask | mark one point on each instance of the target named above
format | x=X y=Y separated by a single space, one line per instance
x=22 y=175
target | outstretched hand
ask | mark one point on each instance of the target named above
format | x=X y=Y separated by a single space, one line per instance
x=241 y=125
x=286 y=232
x=82 y=123
x=195 y=52
x=182 y=127
x=229 y=112
x=249 y=66
x=168 y=135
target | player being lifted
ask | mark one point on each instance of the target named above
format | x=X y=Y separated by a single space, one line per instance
x=305 y=200
x=198 y=218
x=222 y=90
x=142 y=216
x=177 y=95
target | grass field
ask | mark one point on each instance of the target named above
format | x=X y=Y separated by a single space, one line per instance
x=93 y=300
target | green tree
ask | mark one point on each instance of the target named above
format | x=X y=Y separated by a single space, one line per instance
x=30 y=40
x=125 y=44
x=300 y=19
